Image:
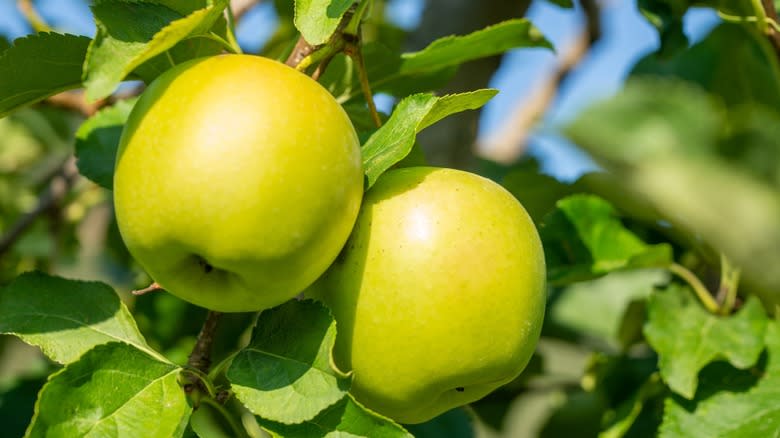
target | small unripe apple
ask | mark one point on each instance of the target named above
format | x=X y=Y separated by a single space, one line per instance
x=237 y=182
x=439 y=294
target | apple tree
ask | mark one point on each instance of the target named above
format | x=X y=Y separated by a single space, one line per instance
x=196 y=240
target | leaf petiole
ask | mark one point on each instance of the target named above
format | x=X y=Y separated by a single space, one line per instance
x=693 y=281
x=220 y=367
x=216 y=38
x=230 y=419
x=758 y=8
x=231 y=30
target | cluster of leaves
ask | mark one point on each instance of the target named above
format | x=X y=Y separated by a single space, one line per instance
x=689 y=162
x=111 y=378
x=690 y=157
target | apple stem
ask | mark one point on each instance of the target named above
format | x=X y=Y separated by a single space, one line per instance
x=151 y=288
x=354 y=52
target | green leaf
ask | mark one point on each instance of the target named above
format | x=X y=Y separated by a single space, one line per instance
x=38 y=66
x=492 y=40
x=455 y=423
x=609 y=297
x=710 y=172
x=383 y=66
x=583 y=238
x=429 y=69
x=318 y=19
x=610 y=187
x=731 y=403
x=361 y=119
x=536 y=191
x=285 y=374
x=346 y=418
x=568 y=4
x=667 y=17
x=626 y=414
x=66 y=318
x=4 y=44
x=394 y=140
x=208 y=422
x=113 y=390
x=654 y=116
x=131 y=33
x=687 y=337
x=97 y=141
x=734 y=62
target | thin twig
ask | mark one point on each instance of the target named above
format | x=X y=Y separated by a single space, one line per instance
x=354 y=52
x=74 y=100
x=510 y=142
x=231 y=30
x=59 y=186
x=301 y=50
x=32 y=16
x=305 y=55
x=772 y=33
x=151 y=288
x=321 y=68
x=241 y=7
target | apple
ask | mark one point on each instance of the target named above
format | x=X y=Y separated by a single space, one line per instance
x=237 y=182
x=439 y=294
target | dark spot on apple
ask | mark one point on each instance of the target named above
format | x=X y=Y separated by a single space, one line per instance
x=460 y=389
x=205 y=265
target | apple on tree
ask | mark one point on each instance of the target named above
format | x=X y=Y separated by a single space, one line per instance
x=237 y=181
x=439 y=294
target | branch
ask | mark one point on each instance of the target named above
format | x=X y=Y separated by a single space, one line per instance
x=61 y=183
x=241 y=7
x=510 y=142
x=31 y=15
x=196 y=382
x=301 y=50
x=200 y=357
x=74 y=100
x=346 y=32
x=772 y=33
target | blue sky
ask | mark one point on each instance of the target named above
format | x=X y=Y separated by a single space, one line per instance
x=627 y=37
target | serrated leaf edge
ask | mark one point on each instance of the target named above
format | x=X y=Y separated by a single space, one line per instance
x=148 y=53
x=36 y=408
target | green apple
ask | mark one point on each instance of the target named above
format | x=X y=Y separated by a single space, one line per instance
x=439 y=294
x=237 y=182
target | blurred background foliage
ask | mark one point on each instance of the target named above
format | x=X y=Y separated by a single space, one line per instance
x=690 y=145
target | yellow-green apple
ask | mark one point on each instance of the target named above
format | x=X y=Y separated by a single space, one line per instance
x=237 y=181
x=439 y=294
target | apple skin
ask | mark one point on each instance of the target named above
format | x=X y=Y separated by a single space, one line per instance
x=439 y=294
x=237 y=182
